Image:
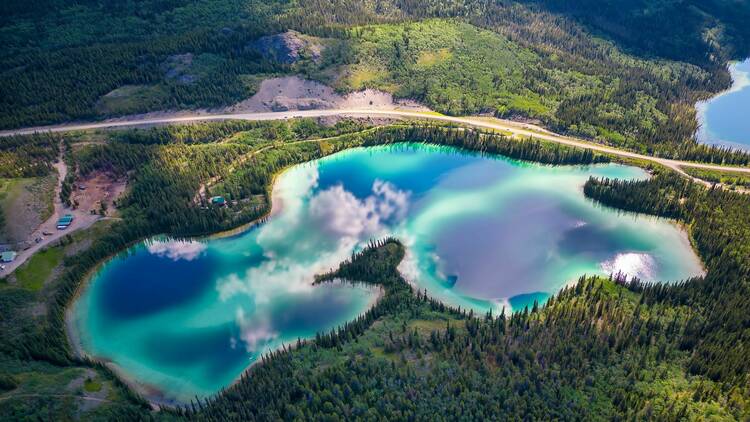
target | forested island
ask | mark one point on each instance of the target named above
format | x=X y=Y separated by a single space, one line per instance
x=625 y=74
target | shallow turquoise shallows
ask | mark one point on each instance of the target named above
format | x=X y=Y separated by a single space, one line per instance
x=185 y=318
x=725 y=119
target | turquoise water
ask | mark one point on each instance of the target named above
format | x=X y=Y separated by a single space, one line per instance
x=725 y=119
x=186 y=317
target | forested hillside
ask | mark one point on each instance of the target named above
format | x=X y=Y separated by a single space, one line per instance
x=59 y=58
x=604 y=349
x=625 y=73
x=687 y=30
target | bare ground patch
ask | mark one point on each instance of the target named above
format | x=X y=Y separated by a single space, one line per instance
x=294 y=93
x=97 y=192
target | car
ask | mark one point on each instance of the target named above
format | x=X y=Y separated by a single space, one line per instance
x=46 y=233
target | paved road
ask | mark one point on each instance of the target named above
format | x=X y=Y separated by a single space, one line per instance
x=504 y=125
x=519 y=129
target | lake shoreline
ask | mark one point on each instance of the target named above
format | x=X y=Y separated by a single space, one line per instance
x=740 y=74
x=155 y=396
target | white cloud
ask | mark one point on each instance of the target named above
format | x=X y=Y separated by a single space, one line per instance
x=631 y=264
x=579 y=223
x=341 y=213
x=230 y=286
x=317 y=238
x=409 y=267
x=255 y=332
x=282 y=277
x=177 y=249
x=289 y=193
x=391 y=202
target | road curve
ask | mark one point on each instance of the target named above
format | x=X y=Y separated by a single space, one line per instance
x=518 y=129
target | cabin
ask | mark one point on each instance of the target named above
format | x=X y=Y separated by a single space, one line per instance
x=64 y=221
x=8 y=256
x=219 y=201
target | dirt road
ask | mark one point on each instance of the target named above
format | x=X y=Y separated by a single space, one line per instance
x=81 y=220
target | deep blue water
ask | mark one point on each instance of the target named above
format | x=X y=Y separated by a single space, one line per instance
x=725 y=119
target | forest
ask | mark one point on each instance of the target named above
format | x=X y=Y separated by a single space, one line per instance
x=624 y=73
x=28 y=156
x=606 y=348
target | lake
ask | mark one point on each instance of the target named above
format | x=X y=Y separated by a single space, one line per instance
x=725 y=118
x=185 y=317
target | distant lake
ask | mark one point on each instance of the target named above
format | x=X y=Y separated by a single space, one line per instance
x=186 y=317
x=725 y=119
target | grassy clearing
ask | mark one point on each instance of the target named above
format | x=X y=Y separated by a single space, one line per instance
x=48 y=392
x=85 y=137
x=35 y=273
x=40 y=268
x=453 y=67
x=363 y=77
x=130 y=99
x=431 y=58
x=729 y=178
x=92 y=385
x=426 y=326
x=8 y=194
x=24 y=204
x=44 y=379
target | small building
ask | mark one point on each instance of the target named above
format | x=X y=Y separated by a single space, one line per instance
x=7 y=256
x=64 y=221
x=218 y=201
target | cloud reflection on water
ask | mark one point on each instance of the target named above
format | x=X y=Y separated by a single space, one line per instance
x=316 y=232
x=176 y=250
